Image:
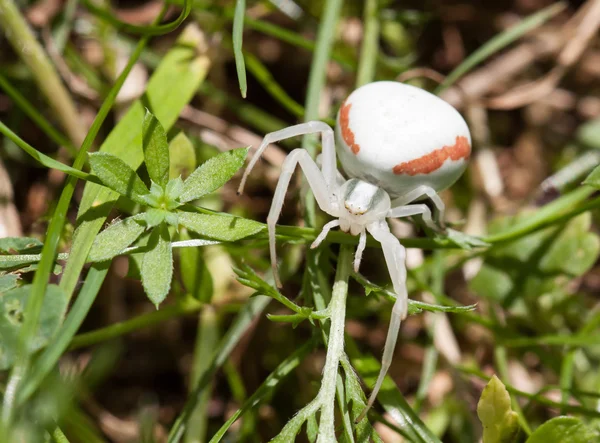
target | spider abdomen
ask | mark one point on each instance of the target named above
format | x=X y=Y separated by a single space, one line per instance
x=397 y=136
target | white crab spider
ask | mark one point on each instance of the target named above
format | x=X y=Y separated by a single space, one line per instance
x=397 y=144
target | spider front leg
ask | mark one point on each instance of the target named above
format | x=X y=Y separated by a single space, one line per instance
x=417 y=193
x=322 y=181
x=395 y=256
x=328 y=159
x=316 y=181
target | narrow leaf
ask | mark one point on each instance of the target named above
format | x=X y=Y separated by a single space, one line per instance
x=267 y=387
x=118 y=176
x=219 y=226
x=156 y=149
x=116 y=238
x=238 y=33
x=500 y=423
x=157 y=266
x=213 y=174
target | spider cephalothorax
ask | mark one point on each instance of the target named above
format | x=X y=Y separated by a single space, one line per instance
x=397 y=144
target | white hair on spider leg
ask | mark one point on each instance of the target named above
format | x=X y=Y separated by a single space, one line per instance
x=397 y=144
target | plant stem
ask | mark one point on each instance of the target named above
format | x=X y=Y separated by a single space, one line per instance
x=335 y=346
x=31 y=52
x=369 y=51
x=186 y=306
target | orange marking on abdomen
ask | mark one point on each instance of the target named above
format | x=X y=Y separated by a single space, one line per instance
x=347 y=133
x=434 y=160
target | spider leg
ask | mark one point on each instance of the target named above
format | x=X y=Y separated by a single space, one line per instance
x=395 y=255
x=339 y=178
x=316 y=182
x=329 y=168
x=362 y=242
x=419 y=192
x=408 y=210
x=324 y=232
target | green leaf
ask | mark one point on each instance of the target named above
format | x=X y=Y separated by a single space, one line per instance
x=156 y=149
x=500 y=423
x=594 y=178
x=12 y=316
x=219 y=226
x=154 y=217
x=157 y=266
x=118 y=176
x=20 y=245
x=492 y=283
x=213 y=174
x=116 y=238
x=357 y=404
x=8 y=282
x=174 y=82
x=576 y=243
x=237 y=36
x=183 y=156
x=174 y=188
x=390 y=397
x=564 y=430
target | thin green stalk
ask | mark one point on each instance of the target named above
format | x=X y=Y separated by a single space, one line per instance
x=49 y=162
x=206 y=340
x=238 y=34
x=24 y=43
x=318 y=70
x=36 y=116
x=369 y=50
x=267 y=387
x=50 y=356
x=293 y=38
x=264 y=77
x=549 y=214
x=253 y=308
x=49 y=251
x=184 y=307
x=335 y=346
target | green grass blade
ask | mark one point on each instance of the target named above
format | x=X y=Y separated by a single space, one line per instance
x=49 y=357
x=49 y=251
x=368 y=52
x=185 y=306
x=264 y=77
x=267 y=387
x=46 y=161
x=390 y=397
x=253 y=308
x=499 y=42
x=31 y=111
x=318 y=70
x=238 y=35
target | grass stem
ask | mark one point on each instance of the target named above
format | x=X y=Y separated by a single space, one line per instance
x=32 y=53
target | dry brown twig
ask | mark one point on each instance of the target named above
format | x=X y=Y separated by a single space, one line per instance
x=584 y=25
